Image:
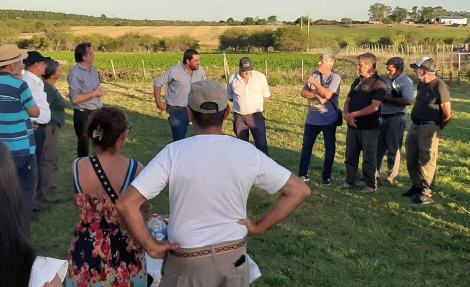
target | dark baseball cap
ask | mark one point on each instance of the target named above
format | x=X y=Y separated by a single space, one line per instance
x=426 y=64
x=35 y=57
x=246 y=64
x=395 y=61
x=207 y=91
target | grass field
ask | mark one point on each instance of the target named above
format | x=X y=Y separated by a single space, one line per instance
x=336 y=238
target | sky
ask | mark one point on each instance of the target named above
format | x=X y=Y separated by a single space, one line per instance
x=212 y=10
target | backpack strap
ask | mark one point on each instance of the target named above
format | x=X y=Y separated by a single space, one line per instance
x=103 y=178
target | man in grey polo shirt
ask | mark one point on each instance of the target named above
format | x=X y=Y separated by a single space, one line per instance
x=178 y=79
x=393 y=117
x=85 y=92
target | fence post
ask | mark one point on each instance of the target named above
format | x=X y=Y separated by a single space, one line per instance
x=114 y=71
x=143 y=66
x=302 y=70
x=266 y=67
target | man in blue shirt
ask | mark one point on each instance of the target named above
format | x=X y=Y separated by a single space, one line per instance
x=16 y=132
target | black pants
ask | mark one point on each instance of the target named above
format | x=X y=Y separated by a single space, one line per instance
x=243 y=124
x=358 y=140
x=80 y=124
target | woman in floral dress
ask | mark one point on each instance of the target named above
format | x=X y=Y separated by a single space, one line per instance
x=102 y=254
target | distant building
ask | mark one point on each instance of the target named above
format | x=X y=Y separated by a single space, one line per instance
x=451 y=20
x=276 y=23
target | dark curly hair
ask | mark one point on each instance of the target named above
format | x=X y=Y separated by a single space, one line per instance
x=108 y=123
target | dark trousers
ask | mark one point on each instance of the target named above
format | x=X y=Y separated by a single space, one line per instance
x=422 y=147
x=80 y=124
x=358 y=140
x=40 y=137
x=243 y=124
x=26 y=168
x=49 y=165
x=390 y=141
x=179 y=121
x=310 y=135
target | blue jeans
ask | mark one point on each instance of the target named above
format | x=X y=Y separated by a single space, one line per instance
x=179 y=121
x=243 y=124
x=310 y=136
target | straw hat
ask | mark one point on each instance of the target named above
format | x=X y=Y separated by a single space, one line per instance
x=10 y=54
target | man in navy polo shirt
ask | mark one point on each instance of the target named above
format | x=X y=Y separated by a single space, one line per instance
x=361 y=112
x=17 y=105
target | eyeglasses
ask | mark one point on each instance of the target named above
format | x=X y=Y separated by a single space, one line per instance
x=129 y=128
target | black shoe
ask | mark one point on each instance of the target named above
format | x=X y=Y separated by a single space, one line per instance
x=412 y=191
x=305 y=178
x=326 y=181
x=421 y=199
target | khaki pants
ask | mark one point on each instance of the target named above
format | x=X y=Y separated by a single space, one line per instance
x=422 y=144
x=213 y=271
x=49 y=165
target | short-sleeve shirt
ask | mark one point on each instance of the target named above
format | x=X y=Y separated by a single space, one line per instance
x=430 y=96
x=178 y=81
x=361 y=95
x=210 y=177
x=16 y=130
x=321 y=112
x=81 y=82
x=57 y=105
x=248 y=98
x=401 y=86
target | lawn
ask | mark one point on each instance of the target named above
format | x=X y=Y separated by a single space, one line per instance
x=336 y=238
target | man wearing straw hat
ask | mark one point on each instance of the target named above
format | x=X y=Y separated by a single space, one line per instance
x=17 y=105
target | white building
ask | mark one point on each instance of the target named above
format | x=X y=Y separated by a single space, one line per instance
x=451 y=20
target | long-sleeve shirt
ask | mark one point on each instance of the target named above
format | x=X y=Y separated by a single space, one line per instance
x=81 y=81
x=178 y=81
x=36 y=85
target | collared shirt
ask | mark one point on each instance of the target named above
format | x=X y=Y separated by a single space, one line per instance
x=320 y=111
x=81 y=82
x=178 y=81
x=248 y=98
x=401 y=86
x=363 y=92
x=16 y=131
x=36 y=85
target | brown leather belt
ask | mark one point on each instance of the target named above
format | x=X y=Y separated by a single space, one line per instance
x=207 y=251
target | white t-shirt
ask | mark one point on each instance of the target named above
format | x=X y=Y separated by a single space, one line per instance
x=45 y=269
x=210 y=177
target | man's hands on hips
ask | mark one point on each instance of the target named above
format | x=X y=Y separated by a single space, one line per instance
x=253 y=227
x=158 y=250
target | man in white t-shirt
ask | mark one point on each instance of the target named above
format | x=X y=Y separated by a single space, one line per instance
x=210 y=176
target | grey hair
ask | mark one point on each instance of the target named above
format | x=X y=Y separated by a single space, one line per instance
x=329 y=59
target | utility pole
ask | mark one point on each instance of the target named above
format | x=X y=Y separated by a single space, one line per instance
x=301 y=20
x=308 y=26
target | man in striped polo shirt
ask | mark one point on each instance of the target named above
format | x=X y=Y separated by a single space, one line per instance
x=16 y=107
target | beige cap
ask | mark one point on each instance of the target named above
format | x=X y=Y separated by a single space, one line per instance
x=10 y=54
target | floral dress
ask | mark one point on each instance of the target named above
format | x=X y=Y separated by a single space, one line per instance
x=101 y=253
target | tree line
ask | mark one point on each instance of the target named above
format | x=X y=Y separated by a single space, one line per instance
x=382 y=13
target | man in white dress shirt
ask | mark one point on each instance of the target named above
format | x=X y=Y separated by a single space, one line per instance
x=35 y=67
x=248 y=89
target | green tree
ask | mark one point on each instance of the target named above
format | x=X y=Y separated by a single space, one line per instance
x=290 y=39
x=346 y=21
x=248 y=21
x=398 y=14
x=414 y=13
x=272 y=18
x=261 y=21
x=378 y=12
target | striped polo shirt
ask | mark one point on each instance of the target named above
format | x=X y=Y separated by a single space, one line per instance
x=16 y=130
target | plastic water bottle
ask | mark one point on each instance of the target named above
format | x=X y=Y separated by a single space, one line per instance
x=157 y=228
